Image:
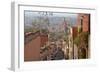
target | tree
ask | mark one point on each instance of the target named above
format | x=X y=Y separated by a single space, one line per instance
x=82 y=43
x=82 y=38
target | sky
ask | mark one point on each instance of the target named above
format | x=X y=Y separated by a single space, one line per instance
x=54 y=17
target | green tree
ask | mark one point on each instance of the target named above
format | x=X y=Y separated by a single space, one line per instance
x=82 y=38
x=82 y=43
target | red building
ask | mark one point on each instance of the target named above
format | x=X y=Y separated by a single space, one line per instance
x=32 y=45
x=84 y=22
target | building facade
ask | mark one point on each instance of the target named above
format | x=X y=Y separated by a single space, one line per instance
x=32 y=45
x=83 y=24
x=83 y=21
